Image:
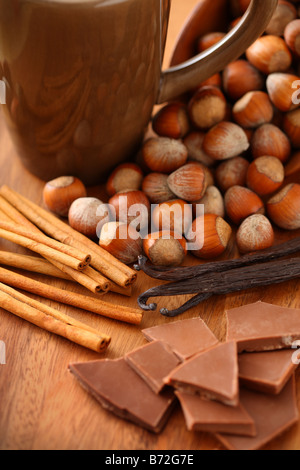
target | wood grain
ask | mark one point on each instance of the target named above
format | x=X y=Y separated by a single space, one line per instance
x=42 y=407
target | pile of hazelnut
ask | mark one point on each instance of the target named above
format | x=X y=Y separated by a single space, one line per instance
x=231 y=145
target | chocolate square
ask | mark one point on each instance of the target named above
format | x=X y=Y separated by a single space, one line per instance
x=272 y=414
x=120 y=390
x=263 y=327
x=266 y=372
x=153 y=362
x=210 y=416
x=212 y=374
x=185 y=337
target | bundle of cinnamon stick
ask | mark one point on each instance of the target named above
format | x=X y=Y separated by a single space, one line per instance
x=31 y=226
x=52 y=320
x=64 y=254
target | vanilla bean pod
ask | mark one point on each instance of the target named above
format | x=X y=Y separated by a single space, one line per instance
x=235 y=280
x=193 y=302
x=175 y=274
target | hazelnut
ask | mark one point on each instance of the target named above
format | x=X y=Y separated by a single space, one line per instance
x=209 y=235
x=212 y=201
x=253 y=110
x=285 y=13
x=291 y=126
x=59 y=194
x=292 y=36
x=255 y=233
x=164 y=155
x=270 y=140
x=207 y=107
x=265 y=175
x=240 y=77
x=225 y=140
x=175 y=216
x=87 y=215
x=189 y=182
x=165 y=248
x=155 y=186
x=269 y=54
x=281 y=89
x=171 y=121
x=284 y=208
x=193 y=142
x=124 y=177
x=208 y=40
x=131 y=207
x=122 y=241
x=232 y=172
x=209 y=174
x=241 y=202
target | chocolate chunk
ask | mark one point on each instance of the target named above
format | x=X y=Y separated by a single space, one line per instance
x=263 y=327
x=266 y=372
x=272 y=414
x=212 y=374
x=120 y=390
x=185 y=337
x=210 y=416
x=153 y=362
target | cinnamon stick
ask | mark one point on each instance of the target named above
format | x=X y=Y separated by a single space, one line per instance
x=41 y=249
x=98 y=279
x=234 y=280
x=37 y=265
x=102 y=261
x=40 y=238
x=83 y=278
x=94 y=305
x=11 y=215
x=50 y=311
x=80 y=336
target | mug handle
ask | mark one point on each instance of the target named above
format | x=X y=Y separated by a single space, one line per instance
x=178 y=79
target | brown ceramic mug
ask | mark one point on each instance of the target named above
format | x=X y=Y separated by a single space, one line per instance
x=82 y=77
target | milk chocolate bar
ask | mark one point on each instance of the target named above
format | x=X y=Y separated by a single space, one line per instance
x=185 y=337
x=263 y=327
x=212 y=374
x=120 y=390
x=272 y=414
x=153 y=362
x=210 y=416
x=266 y=372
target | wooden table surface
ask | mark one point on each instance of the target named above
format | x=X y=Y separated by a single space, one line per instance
x=42 y=407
